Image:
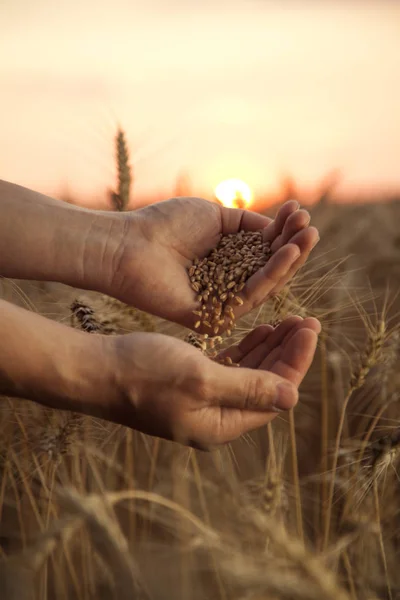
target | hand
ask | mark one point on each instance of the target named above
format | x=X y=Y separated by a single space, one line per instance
x=167 y=388
x=160 y=241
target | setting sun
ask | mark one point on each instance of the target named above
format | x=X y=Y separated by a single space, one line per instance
x=234 y=193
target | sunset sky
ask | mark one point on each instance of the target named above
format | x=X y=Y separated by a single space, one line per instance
x=241 y=88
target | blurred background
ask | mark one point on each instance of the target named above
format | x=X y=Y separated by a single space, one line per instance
x=293 y=98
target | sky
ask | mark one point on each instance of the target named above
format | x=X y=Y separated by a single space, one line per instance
x=250 y=89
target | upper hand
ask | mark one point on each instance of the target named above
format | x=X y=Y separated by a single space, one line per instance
x=160 y=242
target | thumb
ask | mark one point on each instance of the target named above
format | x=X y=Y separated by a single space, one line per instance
x=252 y=390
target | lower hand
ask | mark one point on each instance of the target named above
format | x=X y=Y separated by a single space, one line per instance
x=165 y=387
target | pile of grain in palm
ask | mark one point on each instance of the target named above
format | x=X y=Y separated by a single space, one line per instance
x=219 y=278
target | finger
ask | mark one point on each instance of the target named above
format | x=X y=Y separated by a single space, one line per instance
x=285 y=336
x=259 y=353
x=276 y=226
x=294 y=223
x=234 y=220
x=254 y=338
x=252 y=221
x=260 y=284
x=313 y=324
x=249 y=389
x=275 y=354
x=307 y=323
x=247 y=344
x=305 y=240
x=296 y=358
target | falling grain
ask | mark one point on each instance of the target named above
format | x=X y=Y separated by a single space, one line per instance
x=218 y=278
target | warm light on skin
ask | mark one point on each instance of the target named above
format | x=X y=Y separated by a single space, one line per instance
x=233 y=192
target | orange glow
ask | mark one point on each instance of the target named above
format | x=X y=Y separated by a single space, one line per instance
x=234 y=193
x=257 y=100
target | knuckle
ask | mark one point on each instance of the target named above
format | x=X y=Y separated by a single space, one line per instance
x=197 y=380
x=254 y=393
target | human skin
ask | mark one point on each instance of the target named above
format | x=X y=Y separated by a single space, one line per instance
x=155 y=383
x=141 y=257
x=150 y=382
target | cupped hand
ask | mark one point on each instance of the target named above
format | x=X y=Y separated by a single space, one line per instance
x=160 y=242
x=167 y=388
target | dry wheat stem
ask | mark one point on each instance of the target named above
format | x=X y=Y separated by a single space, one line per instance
x=296 y=479
x=380 y=537
x=307 y=562
x=369 y=358
x=115 y=497
x=206 y=516
x=324 y=421
x=110 y=542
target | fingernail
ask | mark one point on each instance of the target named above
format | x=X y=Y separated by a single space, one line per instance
x=286 y=396
x=316 y=242
x=275 y=409
x=296 y=256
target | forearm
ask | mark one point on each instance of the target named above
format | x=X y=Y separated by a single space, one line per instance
x=52 y=364
x=50 y=240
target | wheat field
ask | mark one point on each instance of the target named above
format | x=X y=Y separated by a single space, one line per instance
x=305 y=508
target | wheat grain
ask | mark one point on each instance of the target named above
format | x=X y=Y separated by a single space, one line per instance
x=371 y=356
x=83 y=315
x=384 y=452
x=105 y=315
x=197 y=341
x=58 y=440
x=219 y=278
x=200 y=342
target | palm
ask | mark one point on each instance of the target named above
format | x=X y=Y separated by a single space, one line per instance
x=154 y=276
x=187 y=397
x=287 y=351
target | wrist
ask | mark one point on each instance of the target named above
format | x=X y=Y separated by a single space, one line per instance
x=114 y=247
x=87 y=383
x=96 y=382
x=86 y=248
x=98 y=247
x=49 y=240
x=75 y=374
x=82 y=377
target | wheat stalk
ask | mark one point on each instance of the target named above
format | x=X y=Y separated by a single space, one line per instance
x=83 y=316
x=120 y=198
x=110 y=542
x=369 y=358
x=57 y=441
x=106 y=315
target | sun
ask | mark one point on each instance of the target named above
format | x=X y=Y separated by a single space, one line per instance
x=234 y=193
